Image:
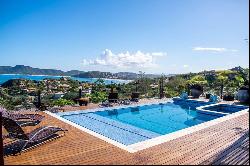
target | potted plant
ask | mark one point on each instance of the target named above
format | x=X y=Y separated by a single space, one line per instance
x=196 y=90
x=229 y=94
x=83 y=101
x=113 y=94
x=135 y=96
x=243 y=94
x=196 y=85
x=228 y=97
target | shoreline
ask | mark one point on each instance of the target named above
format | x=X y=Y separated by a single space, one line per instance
x=68 y=76
x=6 y=77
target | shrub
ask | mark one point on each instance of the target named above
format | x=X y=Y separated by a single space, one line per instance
x=62 y=102
x=197 y=80
x=171 y=93
x=97 y=97
x=18 y=100
x=6 y=104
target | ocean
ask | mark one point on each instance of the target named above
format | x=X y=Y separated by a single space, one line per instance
x=6 y=77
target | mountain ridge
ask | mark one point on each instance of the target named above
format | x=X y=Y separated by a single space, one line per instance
x=22 y=69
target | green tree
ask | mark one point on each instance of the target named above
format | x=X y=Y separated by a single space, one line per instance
x=175 y=86
x=198 y=79
x=98 y=85
x=71 y=95
x=112 y=87
x=97 y=97
x=239 y=81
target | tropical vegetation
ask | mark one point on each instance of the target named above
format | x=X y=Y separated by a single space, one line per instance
x=23 y=93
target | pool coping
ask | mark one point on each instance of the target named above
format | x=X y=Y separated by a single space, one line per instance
x=112 y=108
x=154 y=141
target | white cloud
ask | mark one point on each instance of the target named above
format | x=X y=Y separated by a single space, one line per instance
x=125 y=60
x=160 y=54
x=213 y=49
x=185 y=66
x=209 y=49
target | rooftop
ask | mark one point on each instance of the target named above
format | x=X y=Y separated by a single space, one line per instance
x=225 y=143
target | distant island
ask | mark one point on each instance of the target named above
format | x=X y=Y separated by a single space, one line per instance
x=22 y=69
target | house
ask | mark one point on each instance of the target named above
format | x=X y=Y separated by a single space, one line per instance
x=87 y=91
x=153 y=86
x=58 y=95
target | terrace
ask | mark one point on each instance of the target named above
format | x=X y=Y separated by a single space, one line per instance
x=223 y=143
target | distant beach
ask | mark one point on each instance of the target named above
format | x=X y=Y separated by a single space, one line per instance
x=6 y=77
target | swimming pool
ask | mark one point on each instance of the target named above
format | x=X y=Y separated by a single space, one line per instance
x=138 y=127
x=158 y=118
x=133 y=124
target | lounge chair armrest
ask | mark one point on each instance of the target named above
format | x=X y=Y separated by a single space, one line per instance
x=36 y=132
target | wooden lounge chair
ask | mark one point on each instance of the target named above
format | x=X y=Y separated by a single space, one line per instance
x=214 y=99
x=106 y=104
x=125 y=102
x=54 y=109
x=23 y=119
x=184 y=96
x=26 y=141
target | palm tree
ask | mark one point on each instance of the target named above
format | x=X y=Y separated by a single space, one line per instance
x=222 y=80
x=136 y=86
x=161 y=90
x=112 y=86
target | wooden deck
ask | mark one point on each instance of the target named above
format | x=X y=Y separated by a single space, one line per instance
x=225 y=143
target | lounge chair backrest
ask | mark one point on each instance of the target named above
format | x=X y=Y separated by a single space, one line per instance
x=214 y=99
x=4 y=112
x=184 y=96
x=14 y=130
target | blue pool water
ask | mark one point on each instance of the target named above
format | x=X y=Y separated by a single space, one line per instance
x=224 y=108
x=161 y=119
x=134 y=124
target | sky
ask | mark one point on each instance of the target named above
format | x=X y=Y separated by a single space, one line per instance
x=153 y=36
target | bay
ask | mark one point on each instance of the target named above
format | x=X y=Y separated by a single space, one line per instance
x=6 y=77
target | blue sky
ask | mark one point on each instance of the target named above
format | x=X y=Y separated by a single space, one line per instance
x=154 y=36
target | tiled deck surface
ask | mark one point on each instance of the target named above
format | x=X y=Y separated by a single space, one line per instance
x=226 y=143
